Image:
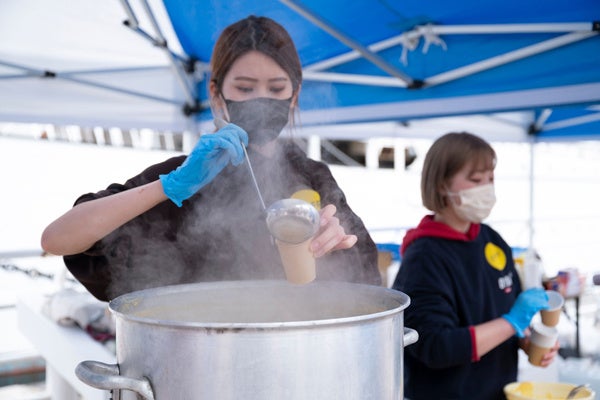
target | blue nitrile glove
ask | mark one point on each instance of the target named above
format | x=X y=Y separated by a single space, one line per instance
x=527 y=304
x=211 y=154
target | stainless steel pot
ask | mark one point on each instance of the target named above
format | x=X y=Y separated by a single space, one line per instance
x=257 y=340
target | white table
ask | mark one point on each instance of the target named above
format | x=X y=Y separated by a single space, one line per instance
x=63 y=347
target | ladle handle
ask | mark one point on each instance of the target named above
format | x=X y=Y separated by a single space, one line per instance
x=262 y=202
x=220 y=123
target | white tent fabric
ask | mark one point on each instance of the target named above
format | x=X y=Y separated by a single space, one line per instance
x=75 y=62
x=106 y=74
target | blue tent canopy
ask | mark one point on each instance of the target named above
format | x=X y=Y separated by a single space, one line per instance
x=102 y=63
x=378 y=60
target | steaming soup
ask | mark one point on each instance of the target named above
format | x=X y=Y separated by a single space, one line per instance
x=262 y=302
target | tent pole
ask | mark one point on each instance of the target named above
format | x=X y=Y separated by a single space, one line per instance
x=365 y=52
x=511 y=28
x=353 y=78
x=535 y=127
x=132 y=20
x=116 y=89
x=539 y=122
x=312 y=71
x=133 y=23
x=575 y=121
x=68 y=76
x=501 y=59
x=531 y=189
x=188 y=91
x=353 y=54
x=452 y=30
x=314 y=147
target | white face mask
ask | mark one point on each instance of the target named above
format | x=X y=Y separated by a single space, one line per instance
x=476 y=203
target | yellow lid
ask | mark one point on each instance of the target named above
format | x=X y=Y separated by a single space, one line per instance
x=310 y=196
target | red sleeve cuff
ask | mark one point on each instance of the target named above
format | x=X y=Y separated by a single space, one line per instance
x=474 y=354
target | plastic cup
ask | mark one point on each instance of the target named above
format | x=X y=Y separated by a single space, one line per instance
x=298 y=261
x=551 y=315
x=542 y=340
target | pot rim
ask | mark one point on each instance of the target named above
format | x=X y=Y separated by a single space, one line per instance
x=119 y=305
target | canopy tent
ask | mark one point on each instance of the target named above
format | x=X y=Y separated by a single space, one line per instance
x=372 y=68
x=75 y=63
x=68 y=62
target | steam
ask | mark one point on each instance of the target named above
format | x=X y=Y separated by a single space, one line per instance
x=221 y=233
x=252 y=303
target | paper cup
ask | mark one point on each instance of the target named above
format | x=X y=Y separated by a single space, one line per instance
x=551 y=315
x=542 y=340
x=298 y=261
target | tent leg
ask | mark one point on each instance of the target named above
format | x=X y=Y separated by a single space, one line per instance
x=531 y=189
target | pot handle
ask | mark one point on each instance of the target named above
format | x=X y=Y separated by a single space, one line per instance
x=106 y=377
x=410 y=336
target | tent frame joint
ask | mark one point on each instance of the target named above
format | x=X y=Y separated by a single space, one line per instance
x=191 y=109
x=189 y=65
x=161 y=43
x=533 y=130
x=416 y=84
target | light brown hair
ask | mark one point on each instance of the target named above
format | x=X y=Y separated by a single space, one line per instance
x=445 y=158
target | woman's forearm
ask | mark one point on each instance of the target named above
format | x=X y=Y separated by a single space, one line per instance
x=491 y=334
x=86 y=223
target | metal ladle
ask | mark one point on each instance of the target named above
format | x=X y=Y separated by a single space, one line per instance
x=220 y=123
x=289 y=220
x=292 y=220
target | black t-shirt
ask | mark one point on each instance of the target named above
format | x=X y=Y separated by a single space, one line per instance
x=220 y=233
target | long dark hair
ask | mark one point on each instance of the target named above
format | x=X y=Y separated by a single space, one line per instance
x=255 y=33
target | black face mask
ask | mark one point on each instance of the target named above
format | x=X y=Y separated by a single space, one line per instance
x=262 y=118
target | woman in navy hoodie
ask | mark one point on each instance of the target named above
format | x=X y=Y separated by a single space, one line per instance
x=466 y=298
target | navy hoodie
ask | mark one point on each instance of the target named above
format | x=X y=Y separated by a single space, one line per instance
x=455 y=281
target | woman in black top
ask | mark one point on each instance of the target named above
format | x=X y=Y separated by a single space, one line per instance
x=128 y=237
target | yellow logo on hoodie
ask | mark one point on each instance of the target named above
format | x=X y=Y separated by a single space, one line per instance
x=495 y=256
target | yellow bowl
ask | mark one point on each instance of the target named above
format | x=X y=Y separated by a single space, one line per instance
x=544 y=390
